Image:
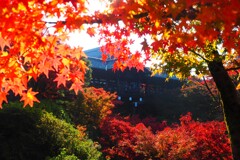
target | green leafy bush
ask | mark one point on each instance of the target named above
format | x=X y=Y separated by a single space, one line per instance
x=56 y=109
x=63 y=135
x=64 y=156
x=32 y=133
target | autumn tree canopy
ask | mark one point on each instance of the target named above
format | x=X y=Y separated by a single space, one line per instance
x=28 y=49
x=179 y=34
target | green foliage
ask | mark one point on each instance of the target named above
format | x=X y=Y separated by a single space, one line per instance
x=64 y=156
x=18 y=134
x=88 y=74
x=56 y=109
x=32 y=133
x=63 y=135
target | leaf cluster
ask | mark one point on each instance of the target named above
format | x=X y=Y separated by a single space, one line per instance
x=177 y=35
x=29 y=47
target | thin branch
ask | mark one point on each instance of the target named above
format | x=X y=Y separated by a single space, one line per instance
x=55 y=22
x=141 y=15
x=99 y=21
x=233 y=69
x=209 y=90
x=199 y=55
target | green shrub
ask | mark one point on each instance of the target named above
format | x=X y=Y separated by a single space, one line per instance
x=64 y=156
x=63 y=135
x=56 y=109
x=18 y=134
x=31 y=133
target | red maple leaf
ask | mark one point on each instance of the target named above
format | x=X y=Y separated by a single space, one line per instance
x=104 y=57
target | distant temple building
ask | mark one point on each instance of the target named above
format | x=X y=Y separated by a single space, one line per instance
x=130 y=85
x=146 y=95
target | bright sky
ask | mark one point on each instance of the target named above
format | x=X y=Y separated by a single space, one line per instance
x=83 y=39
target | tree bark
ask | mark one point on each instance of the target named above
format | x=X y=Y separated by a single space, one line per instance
x=231 y=104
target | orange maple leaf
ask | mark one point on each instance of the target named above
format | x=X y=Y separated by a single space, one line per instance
x=45 y=67
x=238 y=87
x=3 y=43
x=91 y=31
x=29 y=98
x=74 y=2
x=3 y=97
x=61 y=79
x=77 y=86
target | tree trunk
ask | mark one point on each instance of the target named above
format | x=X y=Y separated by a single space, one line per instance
x=231 y=104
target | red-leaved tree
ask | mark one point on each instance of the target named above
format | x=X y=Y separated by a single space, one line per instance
x=189 y=140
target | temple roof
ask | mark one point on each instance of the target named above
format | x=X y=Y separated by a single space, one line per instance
x=95 y=57
x=94 y=53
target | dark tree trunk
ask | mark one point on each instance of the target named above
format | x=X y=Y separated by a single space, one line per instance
x=231 y=104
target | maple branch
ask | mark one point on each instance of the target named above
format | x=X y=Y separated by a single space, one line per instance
x=43 y=34
x=233 y=69
x=99 y=21
x=141 y=15
x=55 y=22
x=29 y=48
x=199 y=55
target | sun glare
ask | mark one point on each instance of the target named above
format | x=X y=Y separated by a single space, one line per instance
x=82 y=39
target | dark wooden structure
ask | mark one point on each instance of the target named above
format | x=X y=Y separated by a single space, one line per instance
x=131 y=84
x=146 y=95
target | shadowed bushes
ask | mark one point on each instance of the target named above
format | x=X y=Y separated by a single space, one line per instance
x=32 y=133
